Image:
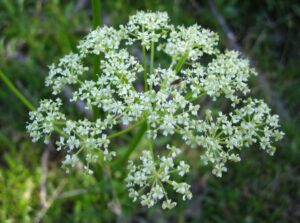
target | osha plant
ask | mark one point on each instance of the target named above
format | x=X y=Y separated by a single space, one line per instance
x=167 y=105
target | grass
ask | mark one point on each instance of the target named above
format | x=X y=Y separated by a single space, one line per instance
x=261 y=189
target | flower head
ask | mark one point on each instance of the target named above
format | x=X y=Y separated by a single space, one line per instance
x=148 y=181
x=168 y=105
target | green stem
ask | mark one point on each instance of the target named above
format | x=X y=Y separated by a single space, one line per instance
x=96 y=23
x=96 y=13
x=59 y=131
x=189 y=96
x=145 y=68
x=152 y=57
x=16 y=92
x=151 y=149
x=125 y=130
x=181 y=62
x=133 y=145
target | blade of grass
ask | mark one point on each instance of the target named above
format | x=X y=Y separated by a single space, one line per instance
x=22 y=98
x=16 y=92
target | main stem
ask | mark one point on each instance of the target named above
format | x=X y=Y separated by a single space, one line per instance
x=181 y=62
x=96 y=13
x=151 y=72
x=135 y=141
x=145 y=68
x=151 y=148
x=96 y=23
x=96 y=7
x=152 y=57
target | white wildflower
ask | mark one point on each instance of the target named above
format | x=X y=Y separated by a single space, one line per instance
x=168 y=105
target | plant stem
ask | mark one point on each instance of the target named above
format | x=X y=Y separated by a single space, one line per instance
x=151 y=72
x=189 y=96
x=151 y=148
x=145 y=68
x=96 y=13
x=199 y=96
x=59 y=131
x=152 y=57
x=181 y=62
x=125 y=130
x=96 y=23
x=16 y=92
x=133 y=145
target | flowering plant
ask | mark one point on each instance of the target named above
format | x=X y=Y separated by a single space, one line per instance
x=167 y=105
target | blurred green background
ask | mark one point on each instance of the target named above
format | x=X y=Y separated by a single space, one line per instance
x=33 y=187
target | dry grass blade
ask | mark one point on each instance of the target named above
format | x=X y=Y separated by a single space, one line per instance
x=40 y=214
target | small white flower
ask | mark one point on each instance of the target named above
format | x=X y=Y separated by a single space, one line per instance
x=168 y=204
x=183 y=168
x=157 y=192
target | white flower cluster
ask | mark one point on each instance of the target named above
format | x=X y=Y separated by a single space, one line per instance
x=43 y=119
x=147 y=181
x=99 y=41
x=88 y=136
x=224 y=137
x=147 y=27
x=68 y=71
x=191 y=42
x=169 y=104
